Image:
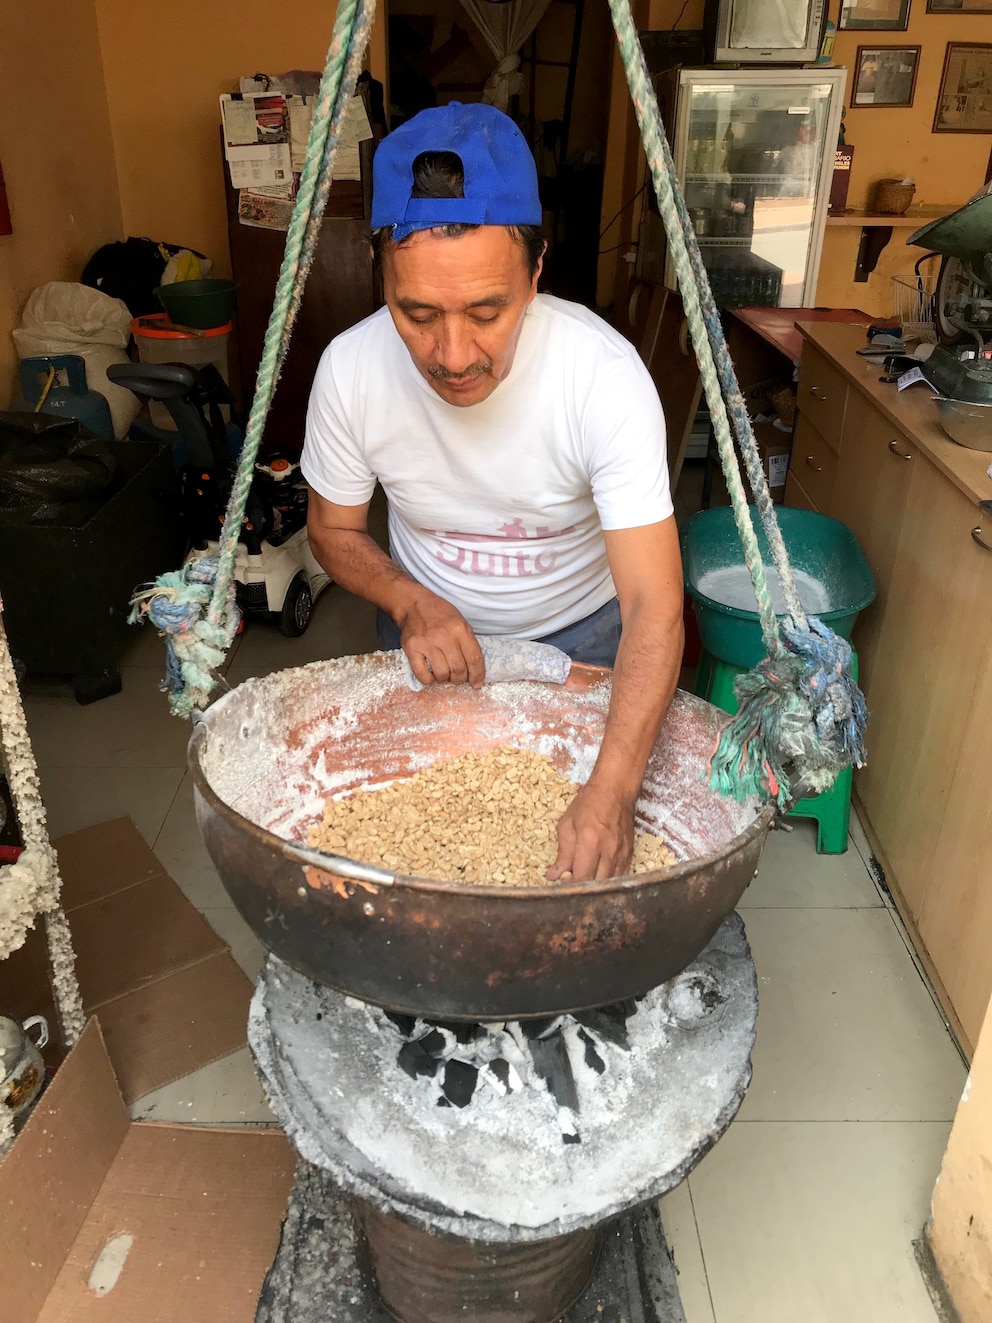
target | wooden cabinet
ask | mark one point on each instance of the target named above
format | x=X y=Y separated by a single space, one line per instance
x=870 y=490
x=822 y=395
x=925 y=648
x=814 y=462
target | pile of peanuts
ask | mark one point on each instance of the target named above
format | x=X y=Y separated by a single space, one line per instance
x=486 y=818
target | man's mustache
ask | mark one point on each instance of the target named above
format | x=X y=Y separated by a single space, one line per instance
x=441 y=373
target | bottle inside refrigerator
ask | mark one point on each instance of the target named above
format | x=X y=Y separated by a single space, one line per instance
x=754 y=153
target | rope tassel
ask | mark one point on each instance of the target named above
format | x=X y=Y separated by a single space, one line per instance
x=194 y=607
x=801 y=715
x=800 y=720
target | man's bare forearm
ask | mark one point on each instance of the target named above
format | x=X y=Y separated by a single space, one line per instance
x=644 y=681
x=355 y=560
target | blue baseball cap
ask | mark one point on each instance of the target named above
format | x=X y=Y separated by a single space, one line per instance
x=500 y=174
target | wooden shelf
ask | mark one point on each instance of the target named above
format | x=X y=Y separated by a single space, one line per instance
x=913 y=218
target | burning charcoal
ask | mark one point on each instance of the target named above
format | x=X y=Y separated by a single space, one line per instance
x=593 y=1060
x=413 y=1058
x=501 y=1069
x=465 y=1033
x=539 y=1027
x=459 y=1082
x=404 y=1023
x=551 y=1062
x=610 y=1022
x=433 y=1043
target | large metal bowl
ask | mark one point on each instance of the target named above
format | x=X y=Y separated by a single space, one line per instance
x=968 y=424
x=266 y=756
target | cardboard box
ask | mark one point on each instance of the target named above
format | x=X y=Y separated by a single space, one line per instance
x=170 y=996
x=775 y=448
x=107 y=1221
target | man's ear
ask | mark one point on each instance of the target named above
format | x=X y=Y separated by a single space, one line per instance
x=540 y=268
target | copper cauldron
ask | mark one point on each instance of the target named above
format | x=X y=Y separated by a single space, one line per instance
x=265 y=756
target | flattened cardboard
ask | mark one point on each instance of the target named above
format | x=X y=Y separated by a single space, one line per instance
x=204 y=1207
x=175 y=1025
x=138 y=935
x=101 y=860
x=171 y=996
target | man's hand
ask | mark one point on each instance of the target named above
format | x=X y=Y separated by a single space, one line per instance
x=439 y=642
x=595 y=836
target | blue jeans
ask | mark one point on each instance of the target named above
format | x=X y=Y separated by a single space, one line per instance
x=594 y=640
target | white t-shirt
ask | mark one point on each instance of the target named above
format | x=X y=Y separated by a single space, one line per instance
x=498 y=507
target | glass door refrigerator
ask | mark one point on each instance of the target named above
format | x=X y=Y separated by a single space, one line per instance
x=754 y=152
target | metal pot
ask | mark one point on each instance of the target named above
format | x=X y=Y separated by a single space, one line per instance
x=22 y=1069
x=266 y=755
x=968 y=424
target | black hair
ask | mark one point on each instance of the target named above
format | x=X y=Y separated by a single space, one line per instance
x=441 y=175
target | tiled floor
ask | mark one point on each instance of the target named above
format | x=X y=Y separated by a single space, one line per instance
x=806 y=1210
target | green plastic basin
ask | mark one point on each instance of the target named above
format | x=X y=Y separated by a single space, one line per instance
x=822 y=548
x=202 y=304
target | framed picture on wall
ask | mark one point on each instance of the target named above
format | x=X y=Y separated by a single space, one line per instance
x=964 y=102
x=885 y=76
x=881 y=15
x=959 y=6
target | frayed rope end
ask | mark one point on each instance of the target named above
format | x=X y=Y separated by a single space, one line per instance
x=801 y=720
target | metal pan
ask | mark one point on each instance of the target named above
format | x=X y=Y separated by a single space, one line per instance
x=265 y=756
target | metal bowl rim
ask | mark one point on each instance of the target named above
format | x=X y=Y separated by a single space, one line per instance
x=627 y=882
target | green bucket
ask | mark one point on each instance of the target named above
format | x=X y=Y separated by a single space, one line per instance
x=202 y=304
x=834 y=579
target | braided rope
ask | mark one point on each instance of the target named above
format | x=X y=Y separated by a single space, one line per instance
x=801 y=712
x=32 y=884
x=195 y=606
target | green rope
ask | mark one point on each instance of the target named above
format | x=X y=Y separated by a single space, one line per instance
x=801 y=714
x=196 y=605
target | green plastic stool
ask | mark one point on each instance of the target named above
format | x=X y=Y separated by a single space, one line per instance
x=832 y=810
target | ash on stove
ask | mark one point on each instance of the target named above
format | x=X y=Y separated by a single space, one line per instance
x=565 y=1054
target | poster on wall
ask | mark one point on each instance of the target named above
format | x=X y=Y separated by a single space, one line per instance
x=964 y=102
x=959 y=6
x=885 y=76
x=881 y=15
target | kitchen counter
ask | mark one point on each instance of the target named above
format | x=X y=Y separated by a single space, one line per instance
x=878 y=460
x=912 y=410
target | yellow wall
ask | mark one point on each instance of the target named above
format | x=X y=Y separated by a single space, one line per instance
x=165 y=67
x=896 y=142
x=960 y=1233
x=948 y=167
x=57 y=154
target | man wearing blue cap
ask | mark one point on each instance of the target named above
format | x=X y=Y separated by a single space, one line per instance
x=521 y=446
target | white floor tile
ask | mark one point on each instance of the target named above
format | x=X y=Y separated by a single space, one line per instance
x=679 y=1221
x=79 y=797
x=792 y=875
x=341 y=625
x=226 y=1092
x=815 y=1223
x=847 y=1030
x=180 y=849
x=131 y=729
x=246 y=949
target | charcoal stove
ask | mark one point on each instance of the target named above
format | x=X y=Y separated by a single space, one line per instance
x=494 y=1202
x=497 y=1081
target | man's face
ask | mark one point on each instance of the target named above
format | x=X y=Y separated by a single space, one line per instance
x=458 y=305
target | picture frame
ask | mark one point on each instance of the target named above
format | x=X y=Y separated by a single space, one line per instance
x=959 y=6
x=875 y=15
x=884 y=76
x=964 y=102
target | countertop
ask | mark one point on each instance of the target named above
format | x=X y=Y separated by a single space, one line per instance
x=912 y=410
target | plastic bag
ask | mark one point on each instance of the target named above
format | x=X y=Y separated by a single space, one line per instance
x=52 y=470
x=65 y=318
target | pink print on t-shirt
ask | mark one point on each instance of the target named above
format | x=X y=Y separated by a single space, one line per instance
x=519 y=563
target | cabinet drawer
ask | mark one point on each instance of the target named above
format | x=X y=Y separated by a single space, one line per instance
x=822 y=396
x=797 y=496
x=813 y=463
